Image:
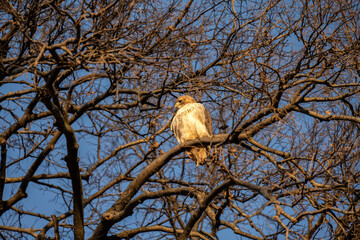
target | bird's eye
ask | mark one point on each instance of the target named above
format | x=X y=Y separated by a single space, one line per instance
x=180 y=100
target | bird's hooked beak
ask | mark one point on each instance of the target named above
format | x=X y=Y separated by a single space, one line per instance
x=176 y=105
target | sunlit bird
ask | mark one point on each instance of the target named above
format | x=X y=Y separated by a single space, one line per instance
x=192 y=121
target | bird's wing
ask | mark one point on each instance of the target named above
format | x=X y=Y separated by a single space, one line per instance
x=203 y=116
x=208 y=121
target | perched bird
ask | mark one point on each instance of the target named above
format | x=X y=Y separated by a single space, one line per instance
x=190 y=122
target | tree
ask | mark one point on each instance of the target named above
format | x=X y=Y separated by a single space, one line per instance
x=87 y=95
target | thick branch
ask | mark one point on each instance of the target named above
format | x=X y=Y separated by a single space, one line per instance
x=2 y=170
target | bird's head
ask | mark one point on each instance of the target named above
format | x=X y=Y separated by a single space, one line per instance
x=183 y=100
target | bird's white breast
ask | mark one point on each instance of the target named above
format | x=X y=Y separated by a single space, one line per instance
x=189 y=122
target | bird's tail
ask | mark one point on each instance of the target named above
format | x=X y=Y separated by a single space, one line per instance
x=198 y=155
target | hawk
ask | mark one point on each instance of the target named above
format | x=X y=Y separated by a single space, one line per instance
x=190 y=122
